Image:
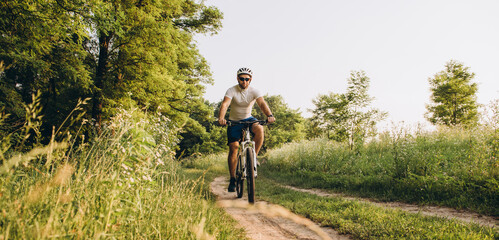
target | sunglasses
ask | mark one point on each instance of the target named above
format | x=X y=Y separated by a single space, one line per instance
x=244 y=79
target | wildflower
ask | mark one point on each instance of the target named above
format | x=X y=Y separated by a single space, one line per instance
x=124 y=166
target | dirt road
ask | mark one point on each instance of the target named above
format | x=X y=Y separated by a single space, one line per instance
x=267 y=221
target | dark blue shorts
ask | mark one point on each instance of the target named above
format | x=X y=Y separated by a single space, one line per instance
x=235 y=133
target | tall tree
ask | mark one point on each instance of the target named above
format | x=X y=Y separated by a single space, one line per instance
x=453 y=98
x=347 y=117
x=146 y=54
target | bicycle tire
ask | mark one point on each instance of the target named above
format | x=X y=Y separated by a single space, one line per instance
x=250 y=167
x=239 y=178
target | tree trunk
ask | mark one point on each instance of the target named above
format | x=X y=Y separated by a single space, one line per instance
x=454 y=110
x=104 y=44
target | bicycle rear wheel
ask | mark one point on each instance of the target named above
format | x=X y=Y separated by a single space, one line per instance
x=250 y=167
x=239 y=178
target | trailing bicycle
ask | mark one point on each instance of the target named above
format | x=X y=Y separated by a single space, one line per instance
x=246 y=160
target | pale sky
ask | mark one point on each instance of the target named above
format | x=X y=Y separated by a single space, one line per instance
x=299 y=49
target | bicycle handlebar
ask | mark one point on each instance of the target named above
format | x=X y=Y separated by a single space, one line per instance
x=232 y=122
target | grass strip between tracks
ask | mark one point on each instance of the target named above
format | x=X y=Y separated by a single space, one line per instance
x=366 y=221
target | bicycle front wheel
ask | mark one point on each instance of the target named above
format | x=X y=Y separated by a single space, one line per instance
x=250 y=167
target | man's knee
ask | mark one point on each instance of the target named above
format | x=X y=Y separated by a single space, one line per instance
x=257 y=130
x=233 y=146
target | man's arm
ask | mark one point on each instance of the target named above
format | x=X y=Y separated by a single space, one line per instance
x=265 y=109
x=223 y=111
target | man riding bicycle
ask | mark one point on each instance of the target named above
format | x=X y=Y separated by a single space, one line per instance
x=241 y=99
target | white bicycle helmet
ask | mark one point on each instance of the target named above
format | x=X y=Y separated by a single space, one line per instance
x=244 y=71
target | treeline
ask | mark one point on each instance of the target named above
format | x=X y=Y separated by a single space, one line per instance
x=348 y=117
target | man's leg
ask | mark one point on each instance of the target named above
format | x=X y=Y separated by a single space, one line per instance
x=232 y=160
x=257 y=129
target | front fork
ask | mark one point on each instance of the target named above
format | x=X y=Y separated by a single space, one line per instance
x=246 y=148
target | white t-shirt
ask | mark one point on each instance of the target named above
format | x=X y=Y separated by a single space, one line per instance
x=242 y=101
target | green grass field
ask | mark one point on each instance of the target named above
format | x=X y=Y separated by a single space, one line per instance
x=451 y=167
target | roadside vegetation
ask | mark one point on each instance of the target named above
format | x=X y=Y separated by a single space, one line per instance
x=124 y=184
x=205 y=167
x=454 y=167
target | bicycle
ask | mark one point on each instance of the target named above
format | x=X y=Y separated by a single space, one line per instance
x=246 y=160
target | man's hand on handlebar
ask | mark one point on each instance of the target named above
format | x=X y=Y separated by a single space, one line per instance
x=222 y=121
x=271 y=119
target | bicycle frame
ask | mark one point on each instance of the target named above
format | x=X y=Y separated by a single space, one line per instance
x=243 y=169
x=247 y=145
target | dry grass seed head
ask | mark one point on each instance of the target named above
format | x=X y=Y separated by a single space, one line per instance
x=61 y=178
x=63 y=175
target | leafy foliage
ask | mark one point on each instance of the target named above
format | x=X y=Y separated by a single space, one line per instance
x=346 y=117
x=202 y=135
x=453 y=99
x=121 y=53
x=289 y=125
x=41 y=45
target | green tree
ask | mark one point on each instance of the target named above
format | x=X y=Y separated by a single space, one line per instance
x=202 y=134
x=146 y=55
x=453 y=98
x=41 y=45
x=289 y=125
x=330 y=116
x=346 y=117
x=134 y=53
